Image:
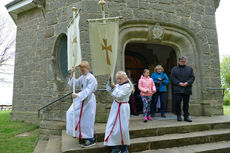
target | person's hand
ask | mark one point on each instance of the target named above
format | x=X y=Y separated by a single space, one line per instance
x=185 y=84
x=158 y=82
x=74 y=95
x=154 y=91
x=181 y=84
x=73 y=70
x=147 y=91
x=113 y=85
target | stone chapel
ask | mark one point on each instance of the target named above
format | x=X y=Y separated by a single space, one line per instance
x=151 y=32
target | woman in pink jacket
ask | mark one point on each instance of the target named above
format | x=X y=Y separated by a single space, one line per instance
x=147 y=89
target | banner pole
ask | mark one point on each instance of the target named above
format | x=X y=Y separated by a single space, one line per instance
x=74 y=124
x=102 y=3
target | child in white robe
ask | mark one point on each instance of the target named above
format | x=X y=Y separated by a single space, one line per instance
x=117 y=129
x=85 y=107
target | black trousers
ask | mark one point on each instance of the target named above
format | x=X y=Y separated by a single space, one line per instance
x=155 y=100
x=178 y=98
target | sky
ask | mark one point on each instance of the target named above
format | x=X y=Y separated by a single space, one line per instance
x=223 y=27
x=223 y=30
x=6 y=72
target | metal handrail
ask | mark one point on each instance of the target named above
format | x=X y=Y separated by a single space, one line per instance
x=52 y=103
x=60 y=99
x=217 y=89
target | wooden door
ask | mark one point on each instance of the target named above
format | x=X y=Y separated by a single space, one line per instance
x=135 y=66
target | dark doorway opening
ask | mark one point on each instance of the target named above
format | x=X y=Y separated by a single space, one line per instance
x=139 y=56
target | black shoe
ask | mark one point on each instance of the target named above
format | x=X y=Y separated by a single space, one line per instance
x=116 y=150
x=163 y=115
x=88 y=144
x=81 y=141
x=187 y=119
x=179 y=118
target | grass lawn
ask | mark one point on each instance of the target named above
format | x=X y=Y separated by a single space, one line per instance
x=227 y=110
x=9 y=142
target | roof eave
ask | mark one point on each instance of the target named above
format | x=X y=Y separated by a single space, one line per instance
x=19 y=6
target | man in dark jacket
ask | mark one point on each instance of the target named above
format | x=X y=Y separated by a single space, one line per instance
x=182 y=79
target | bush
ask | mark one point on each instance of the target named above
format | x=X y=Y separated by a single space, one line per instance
x=226 y=101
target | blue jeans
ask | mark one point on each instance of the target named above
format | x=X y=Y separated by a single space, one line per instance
x=155 y=100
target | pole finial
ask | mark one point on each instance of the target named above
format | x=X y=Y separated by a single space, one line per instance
x=102 y=3
x=74 y=9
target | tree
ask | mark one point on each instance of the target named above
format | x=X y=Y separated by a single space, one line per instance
x=7 y=40
x=225 y=74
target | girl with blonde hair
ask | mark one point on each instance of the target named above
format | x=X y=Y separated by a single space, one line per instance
x=84 y=106
x=117 y=129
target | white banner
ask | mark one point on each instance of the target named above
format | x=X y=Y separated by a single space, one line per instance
x=74 y=47
x=103 y=45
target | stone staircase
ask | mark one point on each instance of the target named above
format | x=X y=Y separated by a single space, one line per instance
x=52 y=145
x=203 y=135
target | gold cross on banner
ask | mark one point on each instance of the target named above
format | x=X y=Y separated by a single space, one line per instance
x=107 y=49
x=74 y=41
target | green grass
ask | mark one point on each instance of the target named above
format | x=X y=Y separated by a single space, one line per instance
x=9 y=142
x=227 y=110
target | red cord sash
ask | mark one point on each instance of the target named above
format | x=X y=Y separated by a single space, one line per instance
x=118 y=113
x=79 y=121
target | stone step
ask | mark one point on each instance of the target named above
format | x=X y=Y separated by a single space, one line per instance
x=153 y=142
x=41 y=146
x=218 y=147
x=160 y=127
x=53 y=145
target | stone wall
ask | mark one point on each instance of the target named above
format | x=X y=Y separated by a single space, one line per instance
x=189 y=28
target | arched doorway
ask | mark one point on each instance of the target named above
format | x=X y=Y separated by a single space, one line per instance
x=182 y=42
x=139 y=56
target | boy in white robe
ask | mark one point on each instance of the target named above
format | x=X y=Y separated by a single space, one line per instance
x=117 y=129
x=85 y=106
